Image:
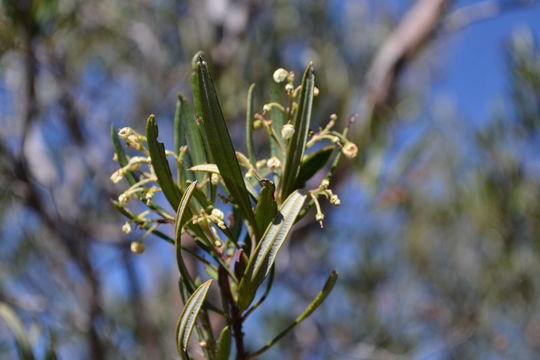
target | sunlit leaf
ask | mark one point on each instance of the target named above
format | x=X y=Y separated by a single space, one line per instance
x=182 y=216
x=189 y=314
x=268 y=248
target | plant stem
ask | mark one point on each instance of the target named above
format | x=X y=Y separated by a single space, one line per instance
x=236 y=321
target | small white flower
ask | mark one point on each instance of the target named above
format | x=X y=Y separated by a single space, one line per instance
x=319 y=216
x=126 y=227
x=273 y=163
x=137 y=247
x=287 y=131
x=280 y=75
x=325 y=183
x=289 y=87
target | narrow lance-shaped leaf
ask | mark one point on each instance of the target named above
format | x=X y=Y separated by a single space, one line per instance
x=187 y=319
x=182 y=216
x=266 y=205
x=224 y=344
x=315 y=303
x=196 y=148
x=297 y=143
x=221 y=146
x=268 y=248
x=311 y=164
x=249 y=125
x=121 y=156
x=160 y=164
x=180 y=122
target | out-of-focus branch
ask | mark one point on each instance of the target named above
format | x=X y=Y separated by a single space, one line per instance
x=467 y=15
x=412 y=32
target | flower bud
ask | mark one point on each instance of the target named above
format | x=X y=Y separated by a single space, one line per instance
x=319 y=216
x=273 y=163
x=287 y=131
x=123 y=199
x=325 y=183
x=125 y=132
x=214 y=179
x=126 y=227
x=137 y=247
x=315 y=91
x=334 y=200
x=217 y=214
x=280 y=75
x=117 y=176
x=350 y=150
x=289 y=87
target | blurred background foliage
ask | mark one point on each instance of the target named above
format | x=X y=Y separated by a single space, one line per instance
x=437 y=239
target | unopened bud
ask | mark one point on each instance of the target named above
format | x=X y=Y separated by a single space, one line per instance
x=287 y=131
x=123 y=199
x=289 y=87
x=280 y=75
x=117 y=176
x=214 y=179
x=350 y=150
x=273 y=163
x=137 y=247
x=315 y=91
x=125 y=132
x=126 y=228
x=325 y=183
x=334 y=200
x=217 y=214
x=333 y=117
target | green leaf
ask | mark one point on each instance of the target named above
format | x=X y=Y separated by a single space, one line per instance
x=180 y=121
x=121 y=156
x=16 y=326
x=266 y=205
x=196 y=148
x=209 y=168
x=266 y=252
x=249 y=125
x=311 y=164
x=182 y=216
x=160 y=164
x=297 y=144
x=187 y=319
x=315 y=303
x=224 y=344
x=221 y=146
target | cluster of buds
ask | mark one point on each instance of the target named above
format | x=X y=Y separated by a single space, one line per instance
x=216 y=216
x=324 y=191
